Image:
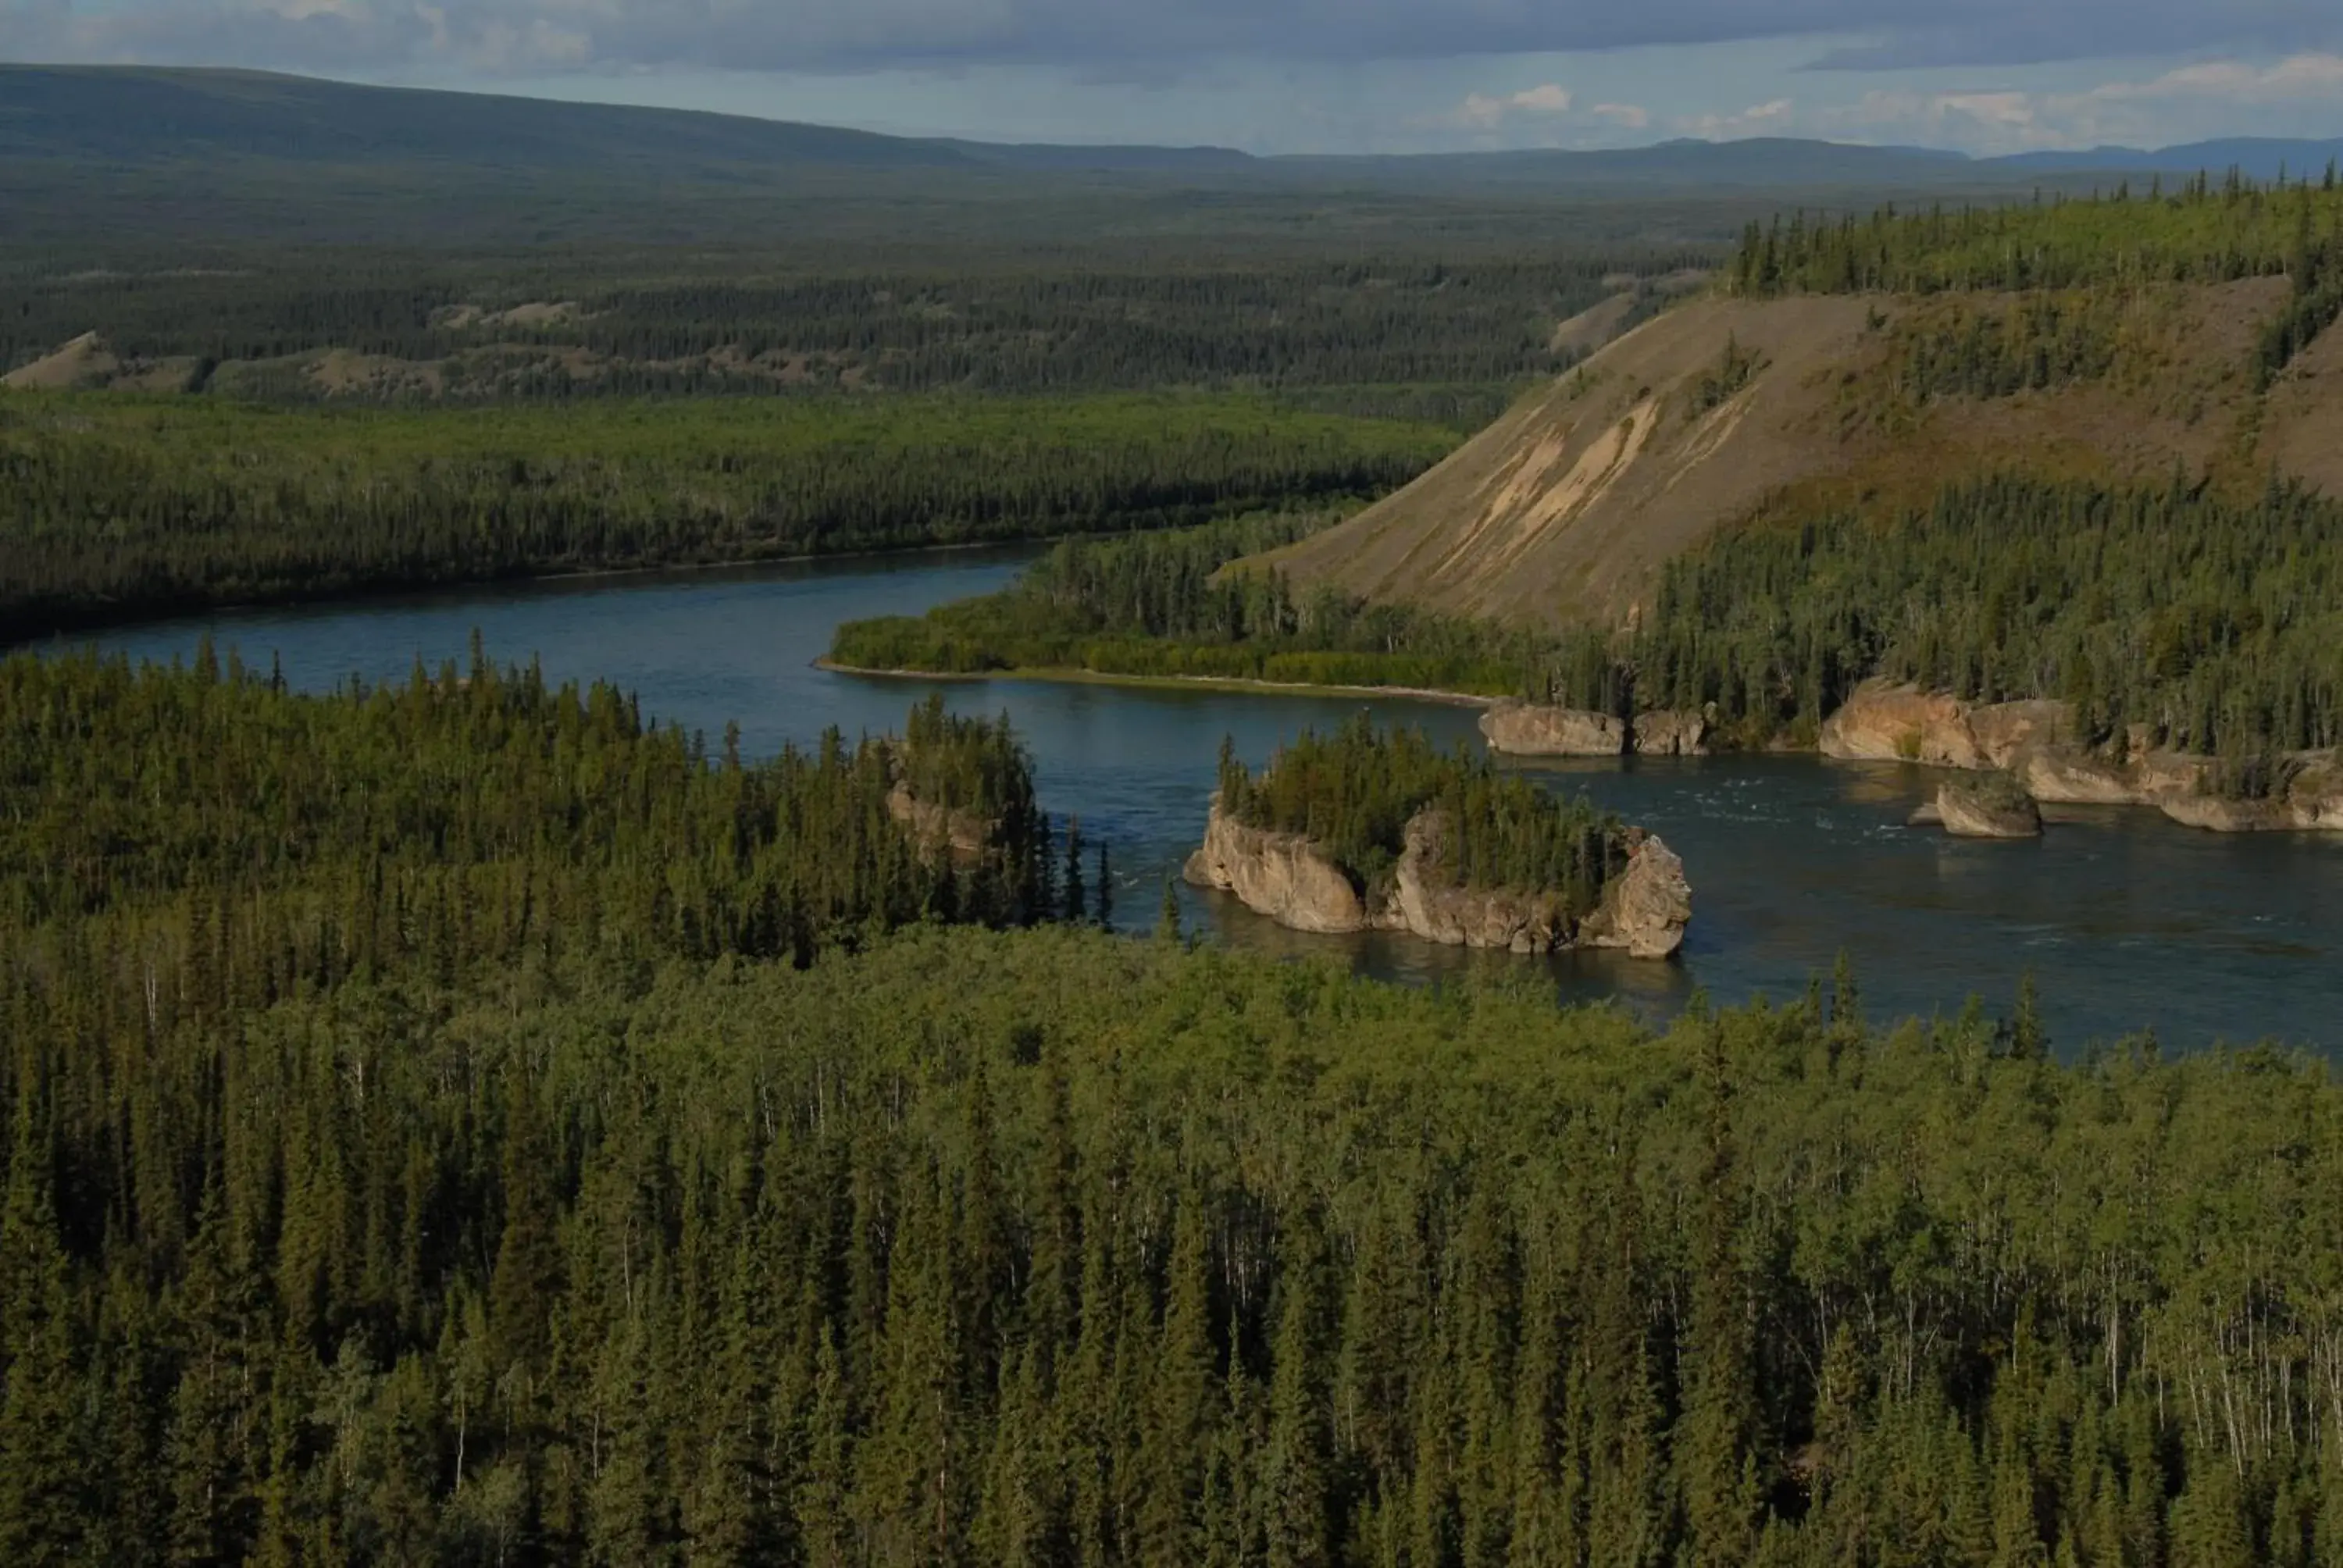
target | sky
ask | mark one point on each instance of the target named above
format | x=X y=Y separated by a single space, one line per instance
x=1984 y=76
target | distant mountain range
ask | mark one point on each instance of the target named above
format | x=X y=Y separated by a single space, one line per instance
x=138 y=116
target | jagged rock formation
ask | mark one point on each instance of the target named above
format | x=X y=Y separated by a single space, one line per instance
x=1281 y=874
x=1536 y=729
x=1522 y=922
x=1967 y=812
x=2311 y=800
x=1663 y=733
x=1885 y=723
x=1646 y=909
x=2035 y=742
x=1289 y=878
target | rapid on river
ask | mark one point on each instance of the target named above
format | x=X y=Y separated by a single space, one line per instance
x=2127 y=921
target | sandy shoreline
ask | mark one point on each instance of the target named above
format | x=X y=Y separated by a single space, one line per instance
x=1168 y=682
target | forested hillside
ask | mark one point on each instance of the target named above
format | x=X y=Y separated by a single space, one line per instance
x=2201 y=231
x=401 y=325
x=1848 y=362
x=2207 y=624
x=408 y=1156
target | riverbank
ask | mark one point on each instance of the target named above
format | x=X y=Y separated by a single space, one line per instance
x=1795 y=859
x=95 y=624
x=1075 y=677
x=2178 y=792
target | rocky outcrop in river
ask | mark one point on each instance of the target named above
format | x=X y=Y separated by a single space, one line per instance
x=1969 y=811
x=1645 y=909
x=1535 y=730
x=1281 y=874
x=1539 y=729
x=2034 y=742
x=1289 y=878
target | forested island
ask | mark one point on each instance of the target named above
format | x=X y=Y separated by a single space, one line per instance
x=451 y=1118
x=1366 y=829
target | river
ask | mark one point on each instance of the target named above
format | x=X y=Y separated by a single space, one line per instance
x=2127 y=921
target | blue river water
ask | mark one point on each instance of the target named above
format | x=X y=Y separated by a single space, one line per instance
x=2127 y=921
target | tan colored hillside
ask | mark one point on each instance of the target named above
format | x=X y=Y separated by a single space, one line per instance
x=1724 y=409
x=79 y=363
x=89 y=361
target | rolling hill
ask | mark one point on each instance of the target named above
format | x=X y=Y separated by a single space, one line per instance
x=103 y=158
x=149 y=115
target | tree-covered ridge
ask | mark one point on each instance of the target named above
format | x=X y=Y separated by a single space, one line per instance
x=2204 y=232
x=612 y=321
x=2212 y=621
x=1162 y=605
x=112 y=508
x=252 y=842
x=1353 y=794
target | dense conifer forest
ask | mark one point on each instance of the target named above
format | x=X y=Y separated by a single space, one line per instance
x=618 y=322
x=412 y=1153
x=2211 y=621
x=1354 y=792
x=112 y=506
x=2091 y=260
x=2203 y=231
x=235 y=842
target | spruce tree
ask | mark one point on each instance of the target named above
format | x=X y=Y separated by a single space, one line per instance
x=42 y=1464
x=1715 y=1454
x=1297 y=1469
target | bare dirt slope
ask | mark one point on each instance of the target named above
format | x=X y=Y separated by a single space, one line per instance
x=1591 y=328
x=495 y=367
x=1722 y=409
x=2302 y=425
x=89 y=361
x=79 y=363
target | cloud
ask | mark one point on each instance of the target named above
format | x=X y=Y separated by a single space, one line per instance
x=1774 y=119
x=1546 y=114
x=1485 y=112
x=2298 y=95
x=2319 y=75
x=1119 y=35
x=1996 y=33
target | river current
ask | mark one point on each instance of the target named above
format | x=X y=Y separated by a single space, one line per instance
x=2128 y=922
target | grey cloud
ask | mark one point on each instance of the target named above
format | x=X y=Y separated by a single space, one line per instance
x=2015 y=34
x=1142 y=37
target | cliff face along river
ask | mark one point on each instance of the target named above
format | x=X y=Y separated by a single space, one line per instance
x=2126 y=919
